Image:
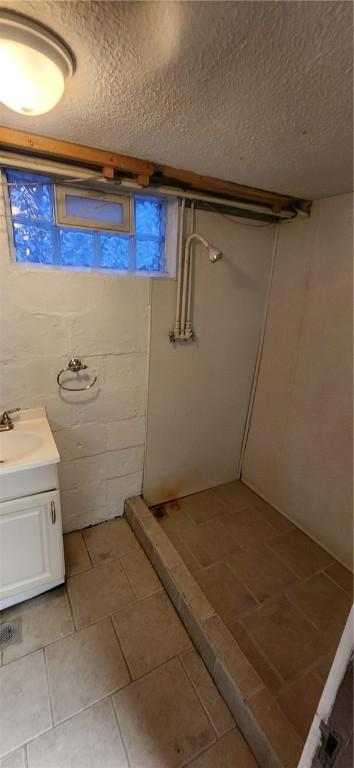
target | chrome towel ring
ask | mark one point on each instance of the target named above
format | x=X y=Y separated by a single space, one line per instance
x=75 y=365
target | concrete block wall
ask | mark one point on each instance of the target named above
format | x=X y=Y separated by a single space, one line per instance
x=46 y=317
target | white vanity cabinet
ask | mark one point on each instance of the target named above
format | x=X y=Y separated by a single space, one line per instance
x=31 y=546
x=31 y=533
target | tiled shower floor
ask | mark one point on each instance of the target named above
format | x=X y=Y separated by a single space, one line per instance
x=105 y=675
x=284 y=599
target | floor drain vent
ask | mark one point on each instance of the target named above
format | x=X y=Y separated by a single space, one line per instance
x=330 y=746
x=159 y=511
x=9 y=633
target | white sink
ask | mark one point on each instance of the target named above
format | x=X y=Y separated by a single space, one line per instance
x=29 y=444
x=16 y=445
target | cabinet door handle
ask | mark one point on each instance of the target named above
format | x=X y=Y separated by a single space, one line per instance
x=53 y=512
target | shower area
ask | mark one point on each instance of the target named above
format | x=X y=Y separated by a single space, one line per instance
x=277 y=601
x=203 y=348
x=282 y=598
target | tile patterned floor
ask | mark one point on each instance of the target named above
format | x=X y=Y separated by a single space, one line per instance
x=282 y=596
x=106 y=675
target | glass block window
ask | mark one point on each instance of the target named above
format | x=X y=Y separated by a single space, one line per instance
x=40 y=238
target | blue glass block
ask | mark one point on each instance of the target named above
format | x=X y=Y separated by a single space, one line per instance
x=149 y=255
x=33 y=243
x=114 y=252
x=75 y=248
x=30 y=196
x=150 y=217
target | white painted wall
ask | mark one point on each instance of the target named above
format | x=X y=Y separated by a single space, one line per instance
x=46 y=317
x=299 y=451
x=198 y=392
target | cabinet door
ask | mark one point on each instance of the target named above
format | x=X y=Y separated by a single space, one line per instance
x=31 y=543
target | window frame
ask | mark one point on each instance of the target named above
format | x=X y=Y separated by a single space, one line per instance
x=64 y=219
x=171 y=233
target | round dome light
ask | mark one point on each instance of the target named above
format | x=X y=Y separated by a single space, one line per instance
x=34 y=65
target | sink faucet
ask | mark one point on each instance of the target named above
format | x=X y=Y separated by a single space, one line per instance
x=6 y=422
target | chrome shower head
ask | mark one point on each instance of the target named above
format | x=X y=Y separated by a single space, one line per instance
x=214 y=254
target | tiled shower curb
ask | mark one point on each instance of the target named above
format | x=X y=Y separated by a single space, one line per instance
x=265 y=727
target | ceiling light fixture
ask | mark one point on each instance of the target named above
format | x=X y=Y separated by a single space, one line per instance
x=34 y=65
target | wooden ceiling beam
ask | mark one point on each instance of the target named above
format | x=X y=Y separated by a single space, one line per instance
x=78 y=153
x=142 y=170
x=229 y=188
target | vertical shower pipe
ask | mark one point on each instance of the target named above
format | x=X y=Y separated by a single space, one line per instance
x=187 y=281
x=259 y=353
x=177 y=328
x=185 y=284
x=189 y=303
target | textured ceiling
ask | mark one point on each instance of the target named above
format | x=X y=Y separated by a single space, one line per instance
x=255 y=92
